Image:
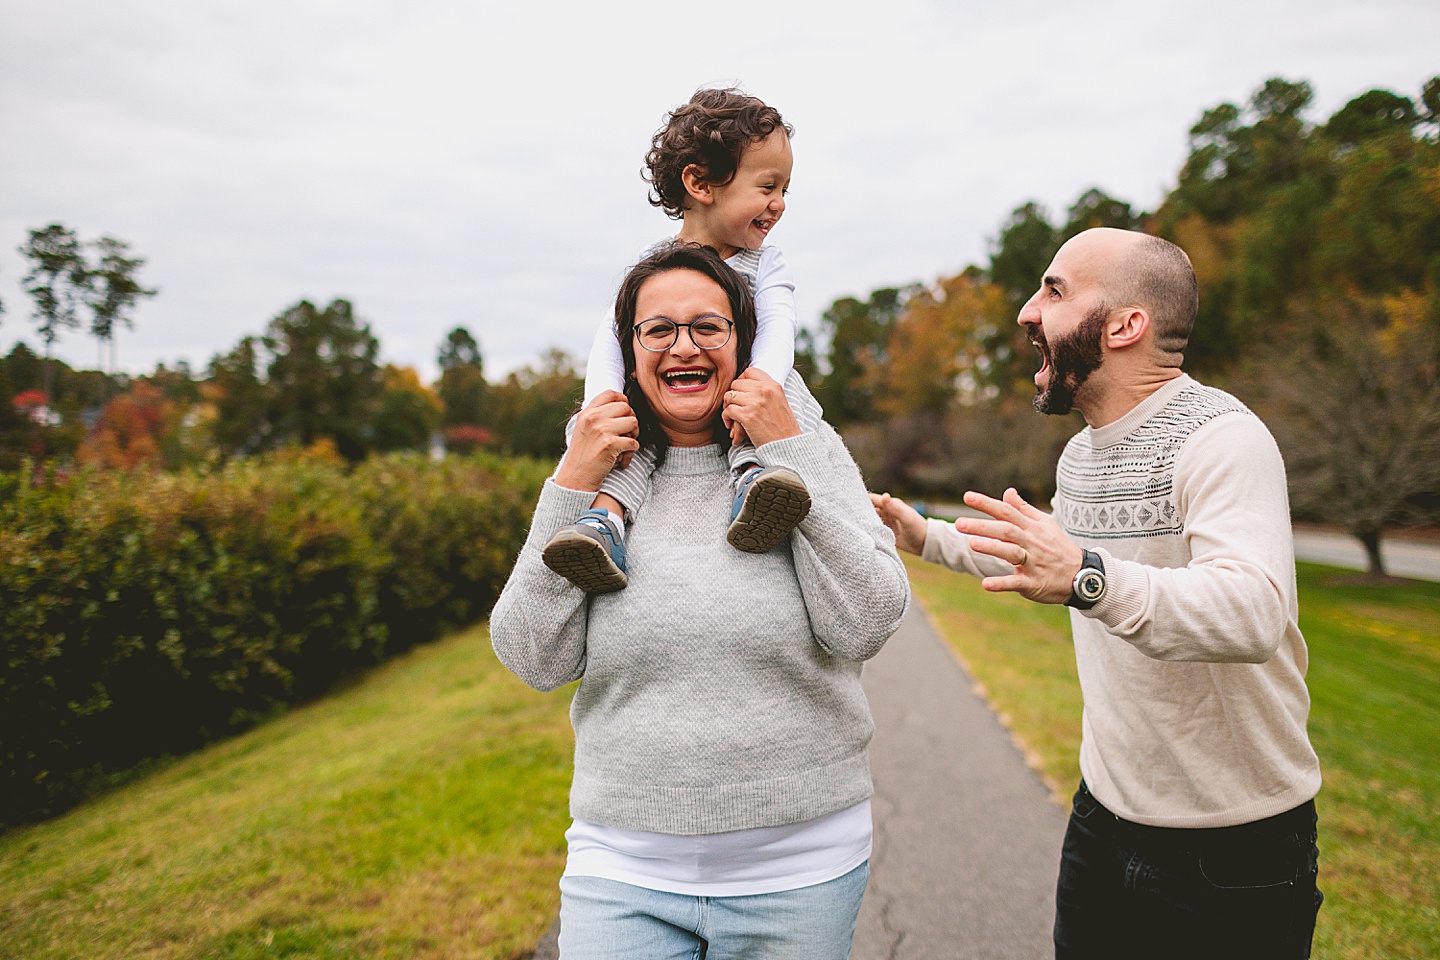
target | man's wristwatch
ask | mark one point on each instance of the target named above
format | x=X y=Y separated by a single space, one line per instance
x=1089 y=585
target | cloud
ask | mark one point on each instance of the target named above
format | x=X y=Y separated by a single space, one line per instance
x=456 y=163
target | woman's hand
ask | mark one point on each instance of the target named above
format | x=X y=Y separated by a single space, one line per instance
x=605 y=431
x=757 y=403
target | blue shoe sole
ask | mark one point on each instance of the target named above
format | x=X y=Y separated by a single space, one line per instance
x=583 y=561
x=773 y=506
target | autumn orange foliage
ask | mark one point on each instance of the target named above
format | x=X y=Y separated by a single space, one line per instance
x=130 y=429
x=937 y=348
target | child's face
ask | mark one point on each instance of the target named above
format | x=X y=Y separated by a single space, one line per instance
x=747 y=208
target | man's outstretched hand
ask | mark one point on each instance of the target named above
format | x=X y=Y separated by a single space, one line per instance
x=1046 y=560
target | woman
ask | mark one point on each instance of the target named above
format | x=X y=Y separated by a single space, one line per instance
x=721 y=788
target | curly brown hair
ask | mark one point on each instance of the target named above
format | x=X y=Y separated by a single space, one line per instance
x=711 y=131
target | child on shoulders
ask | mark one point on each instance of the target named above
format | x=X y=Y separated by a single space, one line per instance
x=721 y=164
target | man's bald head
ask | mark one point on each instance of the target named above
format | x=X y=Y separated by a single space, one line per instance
x=1134 y=269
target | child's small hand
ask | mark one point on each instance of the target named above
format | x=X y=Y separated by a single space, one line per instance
x=737 y=432
x=756 y=403
x=629 y=455
x=903 y=520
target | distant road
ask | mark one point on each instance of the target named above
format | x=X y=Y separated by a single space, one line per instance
x=1416 y=559
x=1403 y=558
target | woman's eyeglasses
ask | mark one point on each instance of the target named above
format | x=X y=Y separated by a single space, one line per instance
x=659 y=334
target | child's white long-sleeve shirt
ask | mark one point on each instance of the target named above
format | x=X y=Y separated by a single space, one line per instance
x=777 y=325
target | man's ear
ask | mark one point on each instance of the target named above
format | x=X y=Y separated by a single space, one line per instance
x=1126 y=327
x=698 y=188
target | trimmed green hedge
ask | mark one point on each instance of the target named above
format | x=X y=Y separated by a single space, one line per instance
x=144 y=614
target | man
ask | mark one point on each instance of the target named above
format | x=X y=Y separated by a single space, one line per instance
x=1193 y=830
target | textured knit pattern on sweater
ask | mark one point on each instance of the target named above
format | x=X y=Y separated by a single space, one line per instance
x=1193 y=665
x=1128 y=490
x=720 y=690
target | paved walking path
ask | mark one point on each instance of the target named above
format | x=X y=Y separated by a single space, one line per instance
x=967 y=841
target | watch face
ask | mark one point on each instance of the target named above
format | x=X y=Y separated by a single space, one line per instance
x=1090 y=585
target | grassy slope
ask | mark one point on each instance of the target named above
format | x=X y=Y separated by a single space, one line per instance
x=418 y=814
x=421 y=813
x=1375 y=721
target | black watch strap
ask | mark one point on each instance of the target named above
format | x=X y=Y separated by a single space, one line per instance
x=1089 y=585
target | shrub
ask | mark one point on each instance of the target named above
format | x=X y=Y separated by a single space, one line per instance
x=144 y=614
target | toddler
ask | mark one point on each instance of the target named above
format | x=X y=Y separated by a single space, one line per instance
x=721 y=165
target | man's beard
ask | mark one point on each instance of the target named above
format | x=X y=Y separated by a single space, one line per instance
x=1072 y=359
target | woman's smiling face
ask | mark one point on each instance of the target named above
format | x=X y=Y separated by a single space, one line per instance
x=684 y=384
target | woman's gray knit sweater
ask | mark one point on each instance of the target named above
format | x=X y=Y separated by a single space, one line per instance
x=720 y=690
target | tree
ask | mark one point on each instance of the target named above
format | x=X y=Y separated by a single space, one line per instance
x=858 y=332
x=1373 y=113
x=462 y=379
x=1430 y=103
x=464 y=394
x=241 y=399
x=530 y=407
x=56 y=283
x=131 y=429
x=409 y=412
x=937 y=352
x=807 y=357
x=1238 y=156
x=1356 y=410
x=111 y=292
x=1024 y=248
x=1378 y=226
x=25 y=367
x=1096 y=208
x=460 y=349
x=324 y=378
x=1273 y=209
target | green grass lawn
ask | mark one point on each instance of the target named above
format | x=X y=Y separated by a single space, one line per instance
x=420 y=813
x=1375 y=721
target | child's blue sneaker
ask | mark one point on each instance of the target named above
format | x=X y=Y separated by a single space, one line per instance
x=590 y=553
x=769 y=503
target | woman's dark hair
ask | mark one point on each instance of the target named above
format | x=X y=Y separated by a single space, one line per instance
x=705 y=261
x=711 y=131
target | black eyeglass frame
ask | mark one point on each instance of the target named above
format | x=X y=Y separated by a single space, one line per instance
x=708 y=318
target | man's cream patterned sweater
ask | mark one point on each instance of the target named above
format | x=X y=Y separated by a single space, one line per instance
x=1192 y=666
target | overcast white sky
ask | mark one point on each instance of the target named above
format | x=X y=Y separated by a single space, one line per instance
x=444 y=163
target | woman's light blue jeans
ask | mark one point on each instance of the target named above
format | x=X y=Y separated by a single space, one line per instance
x=606 y=919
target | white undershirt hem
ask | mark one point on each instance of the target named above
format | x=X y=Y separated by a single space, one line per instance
x=735 y=864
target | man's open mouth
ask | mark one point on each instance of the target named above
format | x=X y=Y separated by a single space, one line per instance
x=687 y=379
x=1040 y=344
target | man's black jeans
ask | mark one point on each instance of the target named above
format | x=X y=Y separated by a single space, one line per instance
x=1129 y=891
